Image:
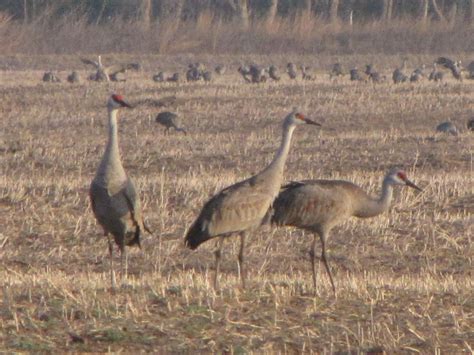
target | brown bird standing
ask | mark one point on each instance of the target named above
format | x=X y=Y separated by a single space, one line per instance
x=114 y=200
x=241 y=207
x=319 y=205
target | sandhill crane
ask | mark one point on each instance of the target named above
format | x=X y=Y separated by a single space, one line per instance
x=470 y=70
x=447 y=127
x=159 y=78
x=454 y=66
x=108 y=73
x=291 y=70
x=319 y=205
x=355 y=75
x=113 y=197
x=74 y=77
x=51 y=77
x=336 y=70
x=372 y=74
x=435 y=74
x=169 y=120
x=417 y=74
x=399 y=75
x=241 y=207
x=207 y=75
x=244 y=70
x=273 y=73
x=470 y=124
x=194 y=72
x=304 y=72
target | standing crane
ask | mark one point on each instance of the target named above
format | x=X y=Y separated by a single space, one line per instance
x=169 y=120
x=399 y=75
x=447 y=127
x=114 y=200
x=241 y=207
x=291 y=70
x=435 y=74
x=319 y=205
x=108 y=73
x=454 y=66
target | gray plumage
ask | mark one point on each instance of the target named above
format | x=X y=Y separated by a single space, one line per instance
x=194 y=72
x=292 y=70
x=372 y=74
x=244 y=70
x=454 y=66
x=113 y=197
x=104 y=73
x=470 y=124
x=273 y=73
x=169 y=120
x=74 y=78
x=207 y=76
x=470 y=70
x=305 y=73
x=447 y=127
x=320 y=205
x=50 y=77
x=435 y=74
x=336 y=70
x=159 y=78
x=399 y=75
x=241 y=207
x=418 y=74
x=355 y=75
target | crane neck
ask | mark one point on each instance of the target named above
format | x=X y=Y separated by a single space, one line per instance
x=370 y=207
x=277 y=165
x=111 y=167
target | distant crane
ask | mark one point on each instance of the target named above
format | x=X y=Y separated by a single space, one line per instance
x=435 y=74
x=470 y=124
x=336 y=70
x=418 y=74
x=241 y=207
x=108 y=73
x=399 y=75
x=169 y=120
x=470 y=70
x=355 y=74
x=305 y=73
x=114 y=200
x=74 y=77
x=447 y=127
x=319 y=205
x=291 y=70
x=372 y=74
x=454 y=66
x=273 y=73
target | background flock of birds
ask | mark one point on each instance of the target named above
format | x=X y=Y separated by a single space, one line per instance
x=259 y=74
x=314 y=205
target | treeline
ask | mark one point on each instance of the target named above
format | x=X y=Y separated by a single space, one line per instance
x=244 y=11
x=236 y=26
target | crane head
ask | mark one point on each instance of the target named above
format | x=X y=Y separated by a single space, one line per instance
x=399 y=177
x=297 y=118
x=117 y=101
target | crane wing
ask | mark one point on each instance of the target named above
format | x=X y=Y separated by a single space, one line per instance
x=445 y=62
x=90 y=62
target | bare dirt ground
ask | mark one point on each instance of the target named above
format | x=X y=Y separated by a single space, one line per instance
x=404 y=279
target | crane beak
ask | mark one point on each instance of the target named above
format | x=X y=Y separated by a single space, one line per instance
x=125 y=104
x=308 y=121
x=412 y=185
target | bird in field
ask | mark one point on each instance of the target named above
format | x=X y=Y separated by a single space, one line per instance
x=169 y=120
x=108 y=73
x=355 y=74
x=51 y=77
x=336 y=70
x=418 y=74
x=470 y=70
x=399 y=75
x=447 y=127
x=454 y=66
x=435 y=74
x=319 y=205
x=273 y=73
x=114 y=199
x=74 y=78
x=372 y=74
x=241 y=208
x=291 y=69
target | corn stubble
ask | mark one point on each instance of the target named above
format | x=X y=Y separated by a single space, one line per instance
x=404 y=278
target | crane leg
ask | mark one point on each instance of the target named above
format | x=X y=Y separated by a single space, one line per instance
x=312 y=254
x=111 y=256
x=242 y=271
x=323 y=258
x=123 y=260
x=218 y=254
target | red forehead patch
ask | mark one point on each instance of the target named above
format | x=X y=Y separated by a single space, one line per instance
x=117 y=97
x=402 y=175
x=300 y=116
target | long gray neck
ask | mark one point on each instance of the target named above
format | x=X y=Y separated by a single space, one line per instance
x=110 y=168
x=370 y=207
x=274 y=171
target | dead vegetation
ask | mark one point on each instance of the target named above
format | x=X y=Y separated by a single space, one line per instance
x=404 y=278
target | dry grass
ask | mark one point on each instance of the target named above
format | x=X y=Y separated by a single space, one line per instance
x=404 y=278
